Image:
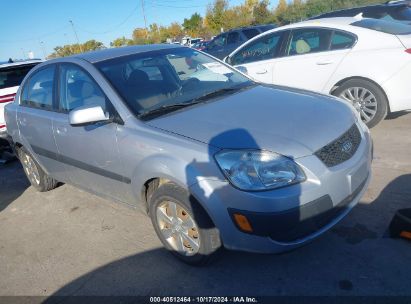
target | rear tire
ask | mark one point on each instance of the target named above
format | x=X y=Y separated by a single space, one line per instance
x=35 y=174
x=367 y=98
x=183 y=226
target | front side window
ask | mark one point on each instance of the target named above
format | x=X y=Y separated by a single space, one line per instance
x=233 y=37
x=218 y=41
x=78 y=89
x=187 y=77
x=341 y=41
x=306 y=41
x=38 y=90
x=265 y=48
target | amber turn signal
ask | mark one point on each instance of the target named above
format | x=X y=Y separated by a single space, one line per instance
x=242 y=222
x=405 y=234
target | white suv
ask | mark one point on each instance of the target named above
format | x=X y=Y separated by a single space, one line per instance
x=11 y=75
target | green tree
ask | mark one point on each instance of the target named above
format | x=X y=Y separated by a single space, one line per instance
x=193 y=25
x=122 y=41
x=71 y=49
x=215 y=18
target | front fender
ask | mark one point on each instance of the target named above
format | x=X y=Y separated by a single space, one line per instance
x=178 y=170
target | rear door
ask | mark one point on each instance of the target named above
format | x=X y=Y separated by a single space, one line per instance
x=89 y=152
x=34 y=118
x=311 y=57
x=10 y=79
x=259 y=57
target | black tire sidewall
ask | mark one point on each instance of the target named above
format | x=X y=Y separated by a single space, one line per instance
x=382 y=102
x=207 y=231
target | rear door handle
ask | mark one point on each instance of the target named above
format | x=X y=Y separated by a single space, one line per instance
x=23 y=122
x=325 y=62
x=262 y=71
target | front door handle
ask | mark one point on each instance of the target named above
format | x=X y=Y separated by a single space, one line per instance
x=61 y=130
x=325 y=62
x=263 y=71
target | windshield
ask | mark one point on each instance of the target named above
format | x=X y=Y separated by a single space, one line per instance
x=171 y=77
x=389 y=27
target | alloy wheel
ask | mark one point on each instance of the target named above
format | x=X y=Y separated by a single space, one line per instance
x=363 y=100
x=31 y=169
x=178 y=228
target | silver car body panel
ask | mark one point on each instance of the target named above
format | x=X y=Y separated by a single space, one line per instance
x=116 y=160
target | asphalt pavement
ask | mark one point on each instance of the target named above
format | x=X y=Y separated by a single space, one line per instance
x=70 y=242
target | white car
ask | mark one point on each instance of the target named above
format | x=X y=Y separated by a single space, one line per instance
x=365 y=61
x=11 y=75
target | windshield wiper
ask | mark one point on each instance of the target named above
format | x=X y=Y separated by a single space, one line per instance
x=164 y=109
x=176 y=106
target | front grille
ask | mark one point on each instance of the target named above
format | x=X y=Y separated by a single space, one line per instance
x=341 y=149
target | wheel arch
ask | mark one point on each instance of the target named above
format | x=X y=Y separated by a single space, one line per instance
x=342 y=81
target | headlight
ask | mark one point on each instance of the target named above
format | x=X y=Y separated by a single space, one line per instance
x=255 y=170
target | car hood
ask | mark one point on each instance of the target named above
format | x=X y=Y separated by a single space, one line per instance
x=288 y=121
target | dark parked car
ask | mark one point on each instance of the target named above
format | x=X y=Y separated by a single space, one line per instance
x=223 y=44
x=392 y=10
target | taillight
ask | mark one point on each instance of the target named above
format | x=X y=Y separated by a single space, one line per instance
x=408 y=51
x=7 y=98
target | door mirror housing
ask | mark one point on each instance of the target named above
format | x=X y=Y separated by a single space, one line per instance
x=242 y=69
x=87 y=115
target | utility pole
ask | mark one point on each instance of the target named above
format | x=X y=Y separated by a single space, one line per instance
x=145 y=19
x=75 y=33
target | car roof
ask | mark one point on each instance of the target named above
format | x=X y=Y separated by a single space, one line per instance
x=101 y=55
x=20 y=63
x=331 y=21
x=387 y=6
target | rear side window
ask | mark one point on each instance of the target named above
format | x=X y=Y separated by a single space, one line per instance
x=38 y=91
x=78 y=89
x=306 y=41
x=13 y=76
x=341 y=40
x=264 y=48
x=388 y=27
x=250 y=33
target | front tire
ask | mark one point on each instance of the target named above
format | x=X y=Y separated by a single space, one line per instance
x=182 y=225
x=35 y=174
x=367 y=98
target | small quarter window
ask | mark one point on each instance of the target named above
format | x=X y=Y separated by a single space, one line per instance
x=341 y=40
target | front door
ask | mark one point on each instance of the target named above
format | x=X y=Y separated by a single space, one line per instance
x=258 y=58
x=89 y=152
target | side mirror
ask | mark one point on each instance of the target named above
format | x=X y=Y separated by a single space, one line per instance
x=242 y=69
x=87 y=115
